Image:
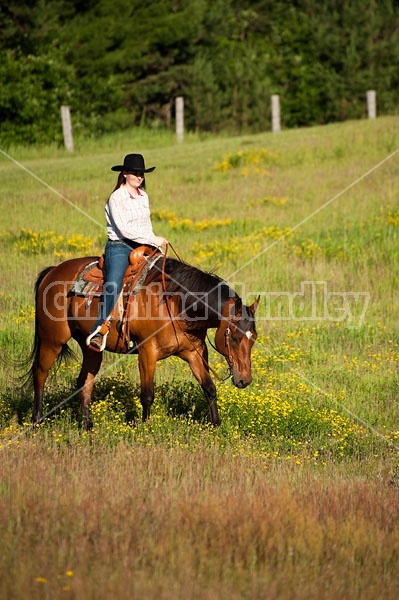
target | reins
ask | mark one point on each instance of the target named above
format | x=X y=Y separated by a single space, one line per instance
x=206 y=363
x=177 y=256
x=164 y=289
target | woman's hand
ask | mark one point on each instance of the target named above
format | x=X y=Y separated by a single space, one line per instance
x=160 y=241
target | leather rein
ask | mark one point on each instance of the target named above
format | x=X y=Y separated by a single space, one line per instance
x=227 y=333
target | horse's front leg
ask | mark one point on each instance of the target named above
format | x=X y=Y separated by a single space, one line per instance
x=147 y=362
x=90 y=366
x=198 y=361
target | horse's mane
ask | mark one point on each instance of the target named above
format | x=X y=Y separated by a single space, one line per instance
x=201 y=294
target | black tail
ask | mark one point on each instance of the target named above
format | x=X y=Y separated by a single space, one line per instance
x=29 y=364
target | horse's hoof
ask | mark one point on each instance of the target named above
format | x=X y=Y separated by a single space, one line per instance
x=88 y=424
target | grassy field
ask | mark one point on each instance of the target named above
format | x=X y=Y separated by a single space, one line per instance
x=296 y=494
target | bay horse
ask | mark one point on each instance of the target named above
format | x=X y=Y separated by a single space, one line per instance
x=169 y=315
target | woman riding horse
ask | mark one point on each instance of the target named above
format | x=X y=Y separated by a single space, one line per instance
x=127 y=214
x=169 y=315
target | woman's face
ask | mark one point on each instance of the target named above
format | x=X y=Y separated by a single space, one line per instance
x=134 y=178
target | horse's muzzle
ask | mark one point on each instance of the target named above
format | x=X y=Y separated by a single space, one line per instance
x=241 y=382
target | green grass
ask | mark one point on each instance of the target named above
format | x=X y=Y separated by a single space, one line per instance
x=270 y=214
x=234 y=205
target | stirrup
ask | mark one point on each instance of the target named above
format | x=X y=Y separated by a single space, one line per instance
x=103 y=329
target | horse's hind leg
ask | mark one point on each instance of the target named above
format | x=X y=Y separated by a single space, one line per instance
x=90 y=367
x=45 y=359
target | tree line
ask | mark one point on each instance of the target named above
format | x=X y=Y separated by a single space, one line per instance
x=119 y=63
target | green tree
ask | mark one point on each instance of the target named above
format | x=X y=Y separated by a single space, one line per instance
x=123 y=62
x=35 y=80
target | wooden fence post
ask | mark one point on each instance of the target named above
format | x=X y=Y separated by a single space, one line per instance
x=67 y=128
x=371 y=104
x=276 y=125
x=179 y=118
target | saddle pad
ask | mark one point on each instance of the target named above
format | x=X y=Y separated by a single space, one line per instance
x=82 y=287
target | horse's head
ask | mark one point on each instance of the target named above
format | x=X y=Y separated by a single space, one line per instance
x=234 y=339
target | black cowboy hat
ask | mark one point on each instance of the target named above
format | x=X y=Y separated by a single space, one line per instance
x=133 y=162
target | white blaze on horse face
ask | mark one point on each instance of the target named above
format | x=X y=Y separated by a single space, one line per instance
x=248 y=334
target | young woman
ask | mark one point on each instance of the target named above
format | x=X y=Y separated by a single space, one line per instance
x=127 y=214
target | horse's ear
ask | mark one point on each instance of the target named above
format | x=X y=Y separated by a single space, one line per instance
x=235 y=310
x=255 y=305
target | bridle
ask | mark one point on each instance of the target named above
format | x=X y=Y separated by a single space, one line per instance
x=229 y=354
x=232 y=322
x=227 y=342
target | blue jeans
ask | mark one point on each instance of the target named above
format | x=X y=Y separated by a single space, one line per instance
x=116 y=263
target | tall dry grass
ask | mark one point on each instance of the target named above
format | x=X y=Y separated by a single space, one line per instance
x=94 y=522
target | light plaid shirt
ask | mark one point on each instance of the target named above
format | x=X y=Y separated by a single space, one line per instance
x=129 y=217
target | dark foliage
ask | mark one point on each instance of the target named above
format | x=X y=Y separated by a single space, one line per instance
x=122 y=62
